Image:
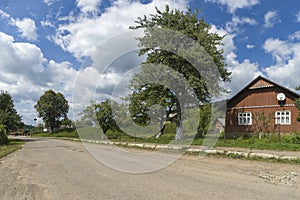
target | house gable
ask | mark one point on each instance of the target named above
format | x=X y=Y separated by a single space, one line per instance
x=260 y=92
x=258 y=101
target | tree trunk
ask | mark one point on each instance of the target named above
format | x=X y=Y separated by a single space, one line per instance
x=179 y=130
x=162 y=124
x=161 y=131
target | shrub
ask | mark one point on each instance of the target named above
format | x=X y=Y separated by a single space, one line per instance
x=3 y=135
x=295 y=138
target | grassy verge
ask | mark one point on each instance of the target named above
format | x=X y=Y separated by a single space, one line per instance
x=69 y=133
x=13 y=146
x=288 y=142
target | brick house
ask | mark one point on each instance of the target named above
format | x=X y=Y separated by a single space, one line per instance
x=262 y=106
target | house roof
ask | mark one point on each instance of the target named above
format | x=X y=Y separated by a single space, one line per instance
x=269 y=84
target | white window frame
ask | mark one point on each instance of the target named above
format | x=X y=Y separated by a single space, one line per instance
x=244 y=118
x=283 y=117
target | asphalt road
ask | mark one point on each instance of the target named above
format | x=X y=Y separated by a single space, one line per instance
x=56 y=169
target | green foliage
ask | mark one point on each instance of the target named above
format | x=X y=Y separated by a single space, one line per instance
x=3 y=135
x=187 y=24
x=105 y=116
x=66 y=122
x=288 y=142
x=204 y=120
x=88 y=115
x=8 y=114
x=262 y=121
x=162 y=46
x=66 y=132
x=52 y=107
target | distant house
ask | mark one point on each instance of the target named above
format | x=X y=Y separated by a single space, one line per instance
x=262 y=106
x=218 y=125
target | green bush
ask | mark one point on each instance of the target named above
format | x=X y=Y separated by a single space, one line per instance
x=3 y=135
x=113 y=134
x=295 y=139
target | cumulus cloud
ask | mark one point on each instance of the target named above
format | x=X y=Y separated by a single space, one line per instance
x=280 y=50
x=233 y=5
x=82 y=35
x=4 y=14
x=47 y=23
x=295 y=36
x=270 y=19
x=233 y=25
x=26 y=27
x=242 y=72
x=287 y=56
x=88 y=6
x=27 y=74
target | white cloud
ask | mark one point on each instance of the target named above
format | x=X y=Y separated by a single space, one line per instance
x=298 y=17
x=287 y=54
x=47 y=24
x=4 y=14
x=280 y=50
x=88 y=6
x=233 y=5
x=26 y=27
x=242 y=72
x=270 y=19
x=295 y=36
x=82 y=35
x=26 y=75
x=233 y=25
x=49 y=2
x=250 y=46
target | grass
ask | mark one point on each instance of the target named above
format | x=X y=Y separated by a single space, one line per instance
x=11 y=147
x=69 y=133
x=288 y=142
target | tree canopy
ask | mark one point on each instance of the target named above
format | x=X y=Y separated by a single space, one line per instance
x=106 y=117
x=52 y=108
x=186 y=44
x=8 y=114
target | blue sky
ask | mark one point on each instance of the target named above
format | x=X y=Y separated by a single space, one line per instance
x=44 y=43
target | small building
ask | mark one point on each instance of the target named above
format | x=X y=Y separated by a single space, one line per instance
x=263 y=106
x=218 y=125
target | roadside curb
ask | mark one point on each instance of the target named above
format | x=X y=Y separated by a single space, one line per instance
x=194 y=150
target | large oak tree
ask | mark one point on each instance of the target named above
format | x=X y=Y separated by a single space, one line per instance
x=52 y=107
x=164 y=43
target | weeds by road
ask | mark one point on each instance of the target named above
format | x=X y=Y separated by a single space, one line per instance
x=13 y=146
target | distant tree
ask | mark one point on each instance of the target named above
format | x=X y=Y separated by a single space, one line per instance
x=88 y=115
x=105 y=116
x=52 y=108
x=66 y=122
x=8 y=114
x=204 y=119
x=189 y=25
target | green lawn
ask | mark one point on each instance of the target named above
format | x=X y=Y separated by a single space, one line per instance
x=13 y=146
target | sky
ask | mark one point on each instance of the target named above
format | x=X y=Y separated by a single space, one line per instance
x=48 y=44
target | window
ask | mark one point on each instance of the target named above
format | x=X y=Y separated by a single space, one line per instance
x=283 y=117
x=245 y=118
